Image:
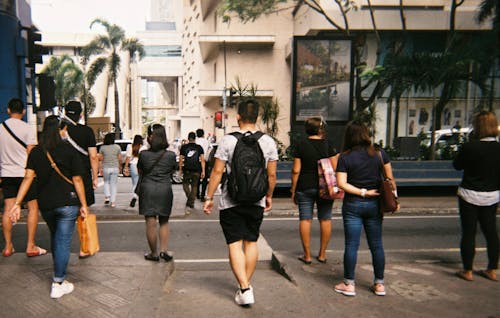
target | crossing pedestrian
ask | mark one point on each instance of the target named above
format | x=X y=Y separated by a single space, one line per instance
x=111 y=158
x=61 y=195
x=241 y=222
x=130 y=167
x=359 y=171
x=17 y=139
x=155 y=166
x=192 y=166
x=478 y=194
x=82 y=138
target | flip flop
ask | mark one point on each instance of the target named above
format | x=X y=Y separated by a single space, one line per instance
x=40 y=251
x=6 y=253
x=487 y=275
x=83 y=256
x=462 y=275
x=303 y=260
x=322 y=261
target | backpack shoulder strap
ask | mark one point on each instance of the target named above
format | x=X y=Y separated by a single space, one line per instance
x=22 y=143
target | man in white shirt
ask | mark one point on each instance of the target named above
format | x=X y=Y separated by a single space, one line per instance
x=241 y=222
x=17 y=139
x=207 y=147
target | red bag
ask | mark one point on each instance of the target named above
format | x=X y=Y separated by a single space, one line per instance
x=327 y=182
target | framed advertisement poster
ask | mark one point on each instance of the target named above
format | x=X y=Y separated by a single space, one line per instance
x=322 y=75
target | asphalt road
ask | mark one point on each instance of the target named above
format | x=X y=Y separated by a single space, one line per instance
x=405 y=237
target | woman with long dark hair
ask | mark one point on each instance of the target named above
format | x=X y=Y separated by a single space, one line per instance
x=61 y=195
x=478 y=193
x=130 y=167
x=359 y=173
x=155 y=167
x=305 y=187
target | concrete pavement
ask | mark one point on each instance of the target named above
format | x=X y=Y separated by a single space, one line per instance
x=113 y=284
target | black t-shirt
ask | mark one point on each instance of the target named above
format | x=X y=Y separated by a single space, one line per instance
x=363 y=170
x=53 y=190
x=191 y=153
x=310 y=151
x=85 y=138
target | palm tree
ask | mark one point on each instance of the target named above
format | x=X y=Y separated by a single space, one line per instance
x=108 y=47
x=68 y=78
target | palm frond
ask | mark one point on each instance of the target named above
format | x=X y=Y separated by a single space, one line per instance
x=95 y=69
x=133 y=46
x=485 y=10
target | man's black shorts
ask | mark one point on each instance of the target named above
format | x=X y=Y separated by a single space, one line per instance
x=241 y=223
x=10 y=187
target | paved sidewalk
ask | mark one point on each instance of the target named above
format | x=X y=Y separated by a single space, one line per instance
x=113 y=284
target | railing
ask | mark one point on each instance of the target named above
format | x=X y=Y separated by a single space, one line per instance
x=406 y=173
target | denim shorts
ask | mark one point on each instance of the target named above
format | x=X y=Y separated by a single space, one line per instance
x=305 y=200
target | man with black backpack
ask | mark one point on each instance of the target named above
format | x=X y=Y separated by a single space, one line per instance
x=192 y=167
x=249 y=158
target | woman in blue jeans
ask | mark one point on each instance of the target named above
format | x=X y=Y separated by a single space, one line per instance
x=359 y=175
x=304 y=187
x=60 y=200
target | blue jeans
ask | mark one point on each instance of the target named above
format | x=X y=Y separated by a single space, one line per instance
x=61 y=223
x=134 y=175
x=306 y=199
x=357 y=214
x=110 y=183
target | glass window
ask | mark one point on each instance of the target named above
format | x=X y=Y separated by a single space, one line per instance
x=163 y=50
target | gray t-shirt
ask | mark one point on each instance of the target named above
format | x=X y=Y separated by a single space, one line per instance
x=225 y=153
x=110 y=154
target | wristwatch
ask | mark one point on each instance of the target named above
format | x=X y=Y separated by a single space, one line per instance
x=363 y=192
x=209 y=199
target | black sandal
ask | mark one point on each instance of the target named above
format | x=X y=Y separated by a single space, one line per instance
x=166 y=257
x=151 y=257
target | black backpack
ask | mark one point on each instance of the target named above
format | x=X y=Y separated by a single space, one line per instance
x=247 y=183
x=192 y=158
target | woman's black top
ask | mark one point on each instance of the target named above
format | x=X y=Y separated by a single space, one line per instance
x=309 y=151
x=480 y=161
x=53 y=190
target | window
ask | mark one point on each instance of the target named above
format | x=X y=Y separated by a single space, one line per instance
x=163 y=50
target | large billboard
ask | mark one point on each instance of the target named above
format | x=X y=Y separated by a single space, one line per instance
x=322 y=74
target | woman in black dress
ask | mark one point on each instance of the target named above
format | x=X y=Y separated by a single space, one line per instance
x=155 y=191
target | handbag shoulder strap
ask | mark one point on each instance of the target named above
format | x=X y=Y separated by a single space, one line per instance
x=317 y=150
x=382 y=170
x=22 y=143
x=155 y=163
x=56 y=168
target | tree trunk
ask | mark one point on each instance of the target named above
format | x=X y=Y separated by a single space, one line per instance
x=118 y=131
x=396 y=116
x=433 y=123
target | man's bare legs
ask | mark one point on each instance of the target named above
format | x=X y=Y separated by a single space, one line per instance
x=326 y=233
x=7 y=226
x=32 y=223
x=243 y=257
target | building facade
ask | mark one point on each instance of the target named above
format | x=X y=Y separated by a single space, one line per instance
x=260 y=53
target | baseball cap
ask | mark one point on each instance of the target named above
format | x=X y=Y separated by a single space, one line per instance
x=73 y=107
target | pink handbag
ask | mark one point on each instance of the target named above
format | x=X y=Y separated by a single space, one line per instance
x=327 y=182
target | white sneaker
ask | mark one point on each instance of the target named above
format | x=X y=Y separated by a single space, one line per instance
x=59 y=290
x=245 y=298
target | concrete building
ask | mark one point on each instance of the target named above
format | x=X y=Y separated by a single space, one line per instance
x=217 y=54
x=260 y=52
x=156 y=80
